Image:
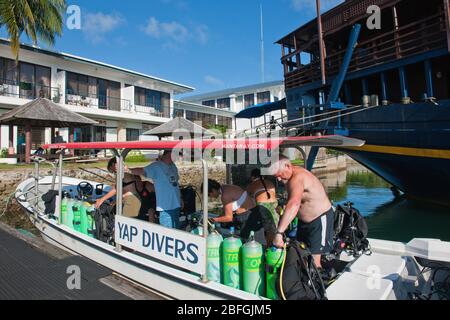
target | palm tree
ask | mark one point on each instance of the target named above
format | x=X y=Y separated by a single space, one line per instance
x=39 y=19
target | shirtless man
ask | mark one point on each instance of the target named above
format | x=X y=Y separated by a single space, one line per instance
x=307 y=199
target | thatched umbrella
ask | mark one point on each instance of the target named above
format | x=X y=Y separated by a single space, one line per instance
x=167 y=129
x=42 y=113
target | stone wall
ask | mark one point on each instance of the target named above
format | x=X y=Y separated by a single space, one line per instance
x=9 y=179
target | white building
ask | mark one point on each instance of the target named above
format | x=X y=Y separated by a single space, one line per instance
x=125 y=103
x=237 y=99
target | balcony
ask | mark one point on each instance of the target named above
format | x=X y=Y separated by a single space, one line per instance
x=419 y=37
x=27 y=90
x=98 y=102
x=150 y=110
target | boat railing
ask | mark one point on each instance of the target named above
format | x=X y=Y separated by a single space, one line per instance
x=418 y=37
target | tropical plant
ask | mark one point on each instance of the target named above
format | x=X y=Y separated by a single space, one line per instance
x=38 y=19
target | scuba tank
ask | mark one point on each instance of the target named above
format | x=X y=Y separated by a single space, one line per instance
x=293 y=228
x=90 y=221
x=214 y=242
x=68 y=221
x=253 y=268
x=274 y=260
x=77 y=215
x=83 y=217
x=198 y=231
x=230 y=259
x=64 y=210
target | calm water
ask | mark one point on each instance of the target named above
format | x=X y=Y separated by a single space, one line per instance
x=388 y=218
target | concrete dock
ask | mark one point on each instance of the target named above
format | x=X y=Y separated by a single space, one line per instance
x=31 y=269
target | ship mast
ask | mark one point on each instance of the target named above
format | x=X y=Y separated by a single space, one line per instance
x=321 y=44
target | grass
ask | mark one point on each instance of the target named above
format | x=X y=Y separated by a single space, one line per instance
x=298 y=162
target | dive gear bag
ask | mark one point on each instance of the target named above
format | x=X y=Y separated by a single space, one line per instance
x=299 y=278
x=104 y=223
x=350 y=230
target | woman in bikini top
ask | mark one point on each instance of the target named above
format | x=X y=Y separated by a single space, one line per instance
x=239 y=208
x=235 y=200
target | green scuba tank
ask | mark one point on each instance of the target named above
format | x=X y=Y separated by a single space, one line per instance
x=83 y=217
x=68 y=221
x=214 y=242
x=198 y=231
x=274 y=260
x=63 y=210
x=77 y=215
x=90 y=221
x=230 y=260
x=253 y=267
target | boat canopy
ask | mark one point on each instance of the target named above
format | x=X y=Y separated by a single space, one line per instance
x=241 y=143
x=261 y=109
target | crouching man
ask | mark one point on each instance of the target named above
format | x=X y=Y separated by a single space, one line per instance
x=307 y=199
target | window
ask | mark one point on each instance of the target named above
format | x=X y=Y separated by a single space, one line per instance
x=99 y=134
x=209 y=103
x=225 y=121
x=249 y=100
x=178 y=113
x=263 y=97
x=133 y=134
x=224 y=103
x=152 y=98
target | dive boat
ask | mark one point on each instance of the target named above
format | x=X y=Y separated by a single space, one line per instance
x=174 y=262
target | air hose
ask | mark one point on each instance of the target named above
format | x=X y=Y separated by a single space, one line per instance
x=281 y=272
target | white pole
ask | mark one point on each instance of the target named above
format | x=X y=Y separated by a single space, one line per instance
x=262 y=47
x=60 y=184
x=119 y=190
x=205 y=214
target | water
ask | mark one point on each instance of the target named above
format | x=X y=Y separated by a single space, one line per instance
x=390 y=218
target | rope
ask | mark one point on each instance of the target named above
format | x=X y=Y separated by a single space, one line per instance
x=7 y=200
x=317 y=121
x=308 y=117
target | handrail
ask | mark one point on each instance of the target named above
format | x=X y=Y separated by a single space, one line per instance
x=89 y=100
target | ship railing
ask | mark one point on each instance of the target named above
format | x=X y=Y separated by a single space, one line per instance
x=415 y=38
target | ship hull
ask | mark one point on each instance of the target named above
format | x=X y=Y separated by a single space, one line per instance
x=407 y=145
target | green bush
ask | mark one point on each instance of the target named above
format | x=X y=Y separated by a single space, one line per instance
x=135 y=156
x=4 y=153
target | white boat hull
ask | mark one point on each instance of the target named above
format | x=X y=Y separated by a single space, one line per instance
x=398 y=271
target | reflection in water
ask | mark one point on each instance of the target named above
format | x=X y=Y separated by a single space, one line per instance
x=389 y=218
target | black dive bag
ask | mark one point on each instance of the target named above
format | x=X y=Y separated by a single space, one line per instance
x=299 y=276
x=104 y=223
x=351 y=230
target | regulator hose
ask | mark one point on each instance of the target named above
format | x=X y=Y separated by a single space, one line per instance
x=281 y=272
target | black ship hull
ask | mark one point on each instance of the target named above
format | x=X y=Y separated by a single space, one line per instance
x=407 y=145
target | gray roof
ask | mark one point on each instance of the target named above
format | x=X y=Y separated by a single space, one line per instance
x=181 y=88
x=227 y=92
x=182 y=124
x=42 y=112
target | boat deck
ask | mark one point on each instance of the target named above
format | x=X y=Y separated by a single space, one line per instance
x=34 y=270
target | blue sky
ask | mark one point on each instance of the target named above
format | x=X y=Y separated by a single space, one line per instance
x=207 y=44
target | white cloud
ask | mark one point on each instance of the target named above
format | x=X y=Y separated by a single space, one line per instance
x=213 y=81
x=310 y=5
x=96 y=25
x=175 y=32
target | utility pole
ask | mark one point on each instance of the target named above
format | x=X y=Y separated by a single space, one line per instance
x=262 y=46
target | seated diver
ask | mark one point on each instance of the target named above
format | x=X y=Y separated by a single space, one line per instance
x=264 y=194
x=239 y=209
x=139 y=200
